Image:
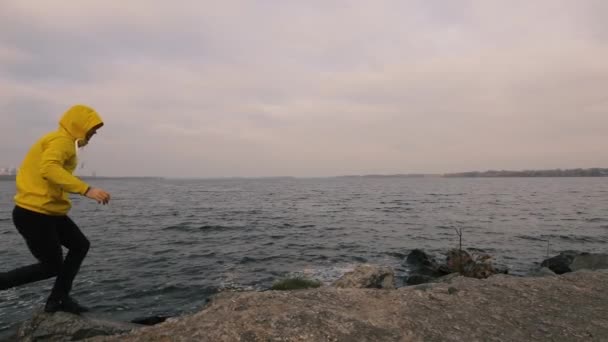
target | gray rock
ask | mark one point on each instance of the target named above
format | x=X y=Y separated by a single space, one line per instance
x=424 y=268
x=560 y=264
x=501 y=308
x=542 y=272
x=569 y=261
x=417 y=279
x=368 y=277
x=589 y=261
x=447 y=279
x=477 y=264
x=62 y=326
x=418 y=258
x=152 y=320
x=422 y=287
x=423 y=264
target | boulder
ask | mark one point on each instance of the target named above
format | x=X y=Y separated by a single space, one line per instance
x=566 y=308
x=446 y=279
x=589 y=261
x=423 y=268
x=423 y=264
x=541 y=272
x=570 y=261
x=152 y=320
x=417 y=279
x=560 y=264
x=62 y=326
x=368 y=277
x=457 y=259
x=476 y=264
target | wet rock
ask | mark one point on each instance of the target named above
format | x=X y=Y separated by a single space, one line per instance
x=152 y=320
x=367 y=277
x=62 y=326
x=447 y=279
x=457 y=259
x=476 y=264
x=542 y=272
x=423 y=268
x=560 y=264
x=417 y=279
x=589 y=261
x=569 y=261
x=423 y=264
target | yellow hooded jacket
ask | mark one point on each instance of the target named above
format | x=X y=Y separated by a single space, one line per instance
x=45 y=177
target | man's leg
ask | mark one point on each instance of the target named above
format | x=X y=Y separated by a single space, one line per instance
x=78 y=245
x=39 y=232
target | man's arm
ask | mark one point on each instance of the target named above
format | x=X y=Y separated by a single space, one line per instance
x=55 y=154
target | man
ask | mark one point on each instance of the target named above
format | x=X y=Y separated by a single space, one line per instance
x=44 y=182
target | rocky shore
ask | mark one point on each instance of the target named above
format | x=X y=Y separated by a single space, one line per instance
x=365 y=306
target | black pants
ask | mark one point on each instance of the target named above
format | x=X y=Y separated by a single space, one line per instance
x=44 y=236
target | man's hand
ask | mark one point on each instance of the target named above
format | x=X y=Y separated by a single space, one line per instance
x=99 y=195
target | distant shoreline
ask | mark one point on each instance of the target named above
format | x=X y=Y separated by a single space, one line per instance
x=12 y=178
x=593 y=172
x=562 y=173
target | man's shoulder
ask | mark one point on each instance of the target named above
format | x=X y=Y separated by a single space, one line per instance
x=55 y=136
x=57 y=140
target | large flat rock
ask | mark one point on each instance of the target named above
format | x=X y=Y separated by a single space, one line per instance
x=571 y=307
x=62 y=326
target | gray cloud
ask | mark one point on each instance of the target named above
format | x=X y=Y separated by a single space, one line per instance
x=316 y=88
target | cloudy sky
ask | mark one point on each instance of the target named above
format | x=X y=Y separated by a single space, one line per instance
x=311 y=88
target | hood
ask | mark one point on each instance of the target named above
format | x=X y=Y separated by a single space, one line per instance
x=78 y=120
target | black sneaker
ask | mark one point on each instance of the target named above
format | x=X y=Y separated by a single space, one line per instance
x=67 y=304
x=70 y=304
x=52 y=305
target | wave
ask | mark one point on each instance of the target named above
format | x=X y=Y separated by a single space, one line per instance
x=400 y=202
x=249 y=260
x=187 y=228
x=220 y=227
x=389 y=209
x=168 y=289
x=205 y=255
x=531 y=238
x=397 y=255
x=179 y=227
x=445 y=195
x=571 y=238
x=359 y=259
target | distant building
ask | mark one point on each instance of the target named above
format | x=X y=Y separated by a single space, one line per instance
x=8 y=171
